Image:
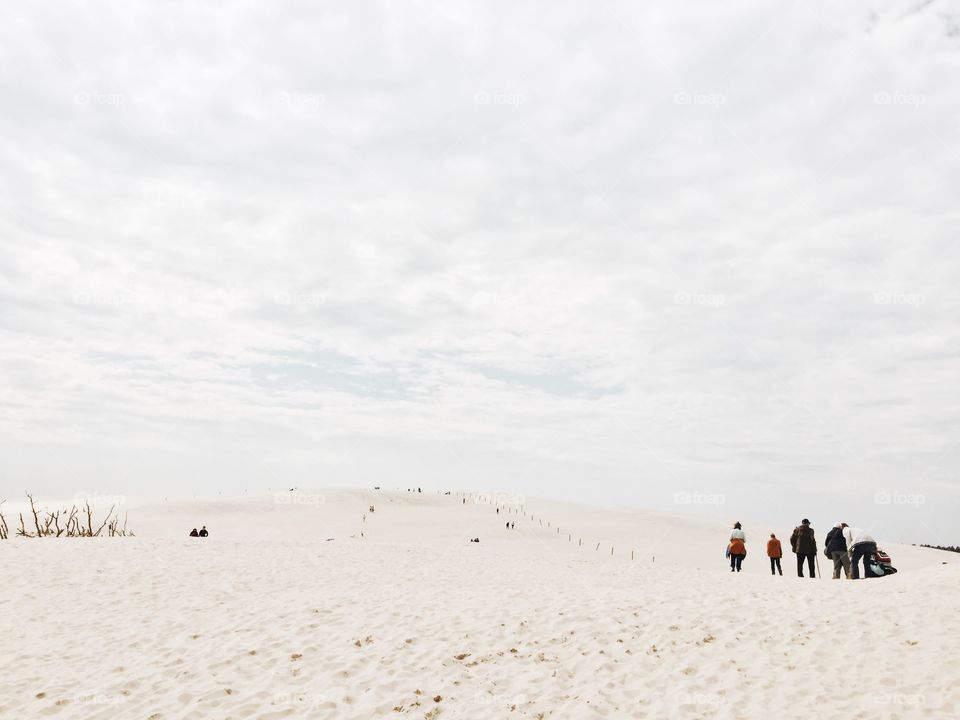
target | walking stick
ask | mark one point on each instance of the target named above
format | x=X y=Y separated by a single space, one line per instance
x=817 y=556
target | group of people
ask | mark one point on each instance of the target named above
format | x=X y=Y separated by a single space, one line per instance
x=845 y=545
x=199 y=533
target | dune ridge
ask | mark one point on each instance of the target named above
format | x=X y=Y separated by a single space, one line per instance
x=288 y=611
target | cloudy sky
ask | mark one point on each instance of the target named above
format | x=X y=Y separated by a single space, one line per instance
x=689 y=256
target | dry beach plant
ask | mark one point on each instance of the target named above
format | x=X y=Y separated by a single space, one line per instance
x=77 y=522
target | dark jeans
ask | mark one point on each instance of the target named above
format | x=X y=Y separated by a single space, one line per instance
x=775 y=566
x=811 y=559
x=863 y=550
x=736 y=561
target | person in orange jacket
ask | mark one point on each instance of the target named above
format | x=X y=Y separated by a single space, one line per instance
x=738 y=551
x=774 y=552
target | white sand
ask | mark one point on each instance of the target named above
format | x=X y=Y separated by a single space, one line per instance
x=269 y=619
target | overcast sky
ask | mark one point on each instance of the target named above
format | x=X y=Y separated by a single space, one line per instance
x=689 y=256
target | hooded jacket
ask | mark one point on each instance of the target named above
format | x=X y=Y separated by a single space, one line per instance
x=774 y=549
x=737 y=547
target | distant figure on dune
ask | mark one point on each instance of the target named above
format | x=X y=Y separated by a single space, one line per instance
x=738 y=551
x=508 y=526
x=804 y=544
x=498 y=511
x=737 y=532
x=203 y=531
x=194 y=533
x=512 y=525
x=861 y=545
x=774 y=552
x=835 y=546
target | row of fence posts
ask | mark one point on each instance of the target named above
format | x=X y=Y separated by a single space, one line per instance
x=519 y=511
x=570 y=535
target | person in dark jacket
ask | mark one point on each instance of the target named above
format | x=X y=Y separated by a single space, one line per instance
x=194 y=533
x=203 y=531
x=804 y=544
x=836 y=546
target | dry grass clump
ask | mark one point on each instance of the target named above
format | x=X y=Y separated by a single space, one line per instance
x=77 y=522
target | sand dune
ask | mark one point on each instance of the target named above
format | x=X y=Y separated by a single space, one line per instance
x=286 y=611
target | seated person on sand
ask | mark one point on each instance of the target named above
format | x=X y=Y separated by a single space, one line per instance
x=203 y=531
x=194 y=533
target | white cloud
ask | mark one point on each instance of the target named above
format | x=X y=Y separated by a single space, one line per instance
x=639 y=250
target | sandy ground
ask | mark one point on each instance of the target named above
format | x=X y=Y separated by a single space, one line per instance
x=286 y=611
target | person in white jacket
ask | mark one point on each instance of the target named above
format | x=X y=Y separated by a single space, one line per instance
x=861 y=545
x=737 y=533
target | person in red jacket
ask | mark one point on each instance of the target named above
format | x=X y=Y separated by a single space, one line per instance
x=774 y=552
x=738 y=551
